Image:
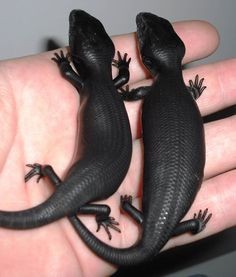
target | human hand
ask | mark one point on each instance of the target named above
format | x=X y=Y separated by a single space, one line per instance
x=38 y=121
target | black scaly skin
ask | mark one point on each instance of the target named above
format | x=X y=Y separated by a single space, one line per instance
x=105 y=147
x=174 y=149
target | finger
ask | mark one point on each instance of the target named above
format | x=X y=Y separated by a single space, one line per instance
x=192 y=32
x=218 y=195
x=220 y=82
x=220 y=140
x=200 y=38
x=220 y=144
x=220 y=157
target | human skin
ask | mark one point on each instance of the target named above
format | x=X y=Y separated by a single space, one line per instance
x=38 y=123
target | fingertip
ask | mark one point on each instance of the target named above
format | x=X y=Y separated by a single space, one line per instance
x=201 y=38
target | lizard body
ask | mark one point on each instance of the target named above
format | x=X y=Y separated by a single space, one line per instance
x=174 y=149
x=105 y=144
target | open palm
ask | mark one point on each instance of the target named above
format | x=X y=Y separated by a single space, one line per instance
x=38 y=123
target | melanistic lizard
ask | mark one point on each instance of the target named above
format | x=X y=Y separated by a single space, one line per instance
x=174 y=149
x=105 y=143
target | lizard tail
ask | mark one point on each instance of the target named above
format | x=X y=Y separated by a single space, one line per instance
x=55 y=207
x=133 y=255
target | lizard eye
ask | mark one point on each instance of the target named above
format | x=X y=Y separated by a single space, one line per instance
x=147 y=61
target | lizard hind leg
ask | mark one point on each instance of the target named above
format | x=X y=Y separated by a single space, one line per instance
x=102 y=217
x=107 y=222
x=195 y=225
x=126 y=204
x=42 y=171
x=101 y=212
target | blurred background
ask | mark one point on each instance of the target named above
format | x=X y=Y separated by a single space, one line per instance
x=29 y=27
x=26 y=26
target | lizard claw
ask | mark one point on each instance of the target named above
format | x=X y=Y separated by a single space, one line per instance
x=61 y=58
x=203 y=219
x=124 y=92
x=36 y=170
x=106 y=223
x=121 y=62
x=126 y=199
x=196 y=88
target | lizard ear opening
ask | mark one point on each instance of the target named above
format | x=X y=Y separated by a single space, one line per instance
x=150 y=64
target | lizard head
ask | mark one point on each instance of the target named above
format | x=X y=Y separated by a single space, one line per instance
x=160 y=47
x=89 y=43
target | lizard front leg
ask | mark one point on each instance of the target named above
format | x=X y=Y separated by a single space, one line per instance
x=123 y=66
x=67 y=71
x=196 y=87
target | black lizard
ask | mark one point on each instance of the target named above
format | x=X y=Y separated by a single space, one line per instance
x=174 y=149
x=105 y=146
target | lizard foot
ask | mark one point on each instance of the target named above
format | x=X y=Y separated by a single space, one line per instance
x=61 y=58
x=121 y=62
x=124 y=92
x=134 y=94
x=195 y=87
x=126 y=199
x=107 y=222
x=36 y=170
x=203 y=217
